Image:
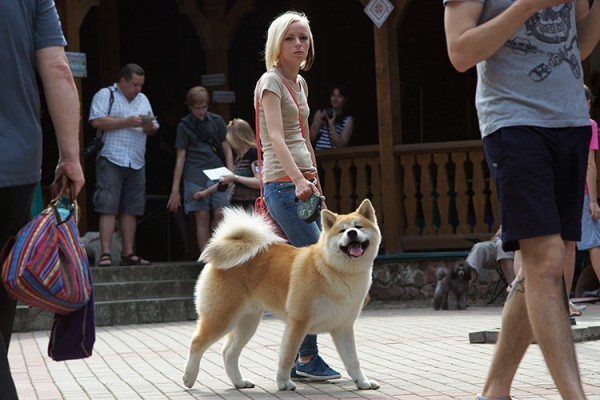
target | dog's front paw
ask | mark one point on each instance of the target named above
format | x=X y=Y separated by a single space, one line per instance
x=286 y=385
x=244 y=384
x=189 y=378
x=190 y=373
x=367 y=384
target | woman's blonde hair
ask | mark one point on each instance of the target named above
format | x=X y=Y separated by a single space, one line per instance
x=240 y=132
x=276 y=35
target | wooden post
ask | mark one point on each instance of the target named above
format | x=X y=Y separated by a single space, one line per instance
x=216 y=27
x=389 y=117
x=68 y=11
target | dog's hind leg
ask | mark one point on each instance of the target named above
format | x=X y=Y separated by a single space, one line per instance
x=234 y=343
x=207 y=333
x=346 y=345
x=453 y=299
x=462 y=299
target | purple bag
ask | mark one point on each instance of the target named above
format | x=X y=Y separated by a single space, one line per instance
x=73 y=335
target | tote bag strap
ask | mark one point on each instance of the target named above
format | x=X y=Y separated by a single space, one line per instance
x=287 y=85
x=257 y=130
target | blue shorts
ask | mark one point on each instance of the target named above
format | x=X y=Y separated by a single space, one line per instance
x=210 y=202
x=540 y=177
x=590 y=228
x=119 y=190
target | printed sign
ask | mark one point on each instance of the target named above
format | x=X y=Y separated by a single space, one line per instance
x=78 y=64
x=223 y=96
x=209 y=80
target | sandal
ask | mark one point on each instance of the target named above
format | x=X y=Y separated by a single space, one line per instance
x=132 y=259
x=574 y=312
x=105 y=260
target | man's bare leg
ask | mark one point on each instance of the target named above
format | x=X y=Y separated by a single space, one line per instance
x=106 y=226
x=128 y=229
x=508 y=269
x=536 y=305
x=202 y=228
x=515 y=336
x=543 y=268
x=571 y=248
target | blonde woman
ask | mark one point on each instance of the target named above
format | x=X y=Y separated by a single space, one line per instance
x=289 y=165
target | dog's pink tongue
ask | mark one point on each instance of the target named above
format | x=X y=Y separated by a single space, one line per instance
x=355 y=250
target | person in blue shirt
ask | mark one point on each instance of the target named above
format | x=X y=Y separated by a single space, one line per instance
x=35 y=45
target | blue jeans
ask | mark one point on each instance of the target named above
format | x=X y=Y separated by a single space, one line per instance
x=279 y=198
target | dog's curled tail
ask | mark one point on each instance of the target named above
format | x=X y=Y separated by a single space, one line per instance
x=238 y=238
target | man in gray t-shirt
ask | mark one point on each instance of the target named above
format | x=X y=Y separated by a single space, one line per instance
x=30 y=39
x=534 y=121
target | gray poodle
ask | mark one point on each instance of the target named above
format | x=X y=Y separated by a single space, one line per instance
x=452 y=288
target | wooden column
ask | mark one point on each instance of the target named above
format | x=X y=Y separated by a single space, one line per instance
x=389 y=121
x=216 y=27
x=69 y=14
x=109 y=45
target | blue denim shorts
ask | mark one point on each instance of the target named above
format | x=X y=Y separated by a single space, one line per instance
x=540 y=176
x=211 y=202
x=590 y=228
x=279 y=197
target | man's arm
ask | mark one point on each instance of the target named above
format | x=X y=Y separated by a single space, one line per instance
x=469 y=43
x=588 y=26
x=112 y=123
x=63 y=104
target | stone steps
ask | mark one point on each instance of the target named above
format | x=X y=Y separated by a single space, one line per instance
x=131 y=295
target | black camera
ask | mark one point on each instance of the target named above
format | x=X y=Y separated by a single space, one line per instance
x=94 y=147
x=329 y=112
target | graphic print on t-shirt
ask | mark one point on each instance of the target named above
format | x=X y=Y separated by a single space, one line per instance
x=550 y=25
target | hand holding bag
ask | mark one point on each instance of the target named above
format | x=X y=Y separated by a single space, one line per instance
x=47 y=266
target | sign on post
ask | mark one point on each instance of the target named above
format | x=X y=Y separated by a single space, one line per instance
x=378 y=11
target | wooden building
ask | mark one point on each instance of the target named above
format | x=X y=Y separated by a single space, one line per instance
x=416 y=150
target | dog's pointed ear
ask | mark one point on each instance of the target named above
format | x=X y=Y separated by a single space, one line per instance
x=366 y=210
x=328 y=218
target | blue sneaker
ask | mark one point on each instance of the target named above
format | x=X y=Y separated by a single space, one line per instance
x=316 y=369
x=297 y=378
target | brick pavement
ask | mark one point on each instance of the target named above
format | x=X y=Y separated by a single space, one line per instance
x=414 y=353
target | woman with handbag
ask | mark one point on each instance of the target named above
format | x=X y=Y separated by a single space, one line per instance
x=201 y=144
x=289 y=165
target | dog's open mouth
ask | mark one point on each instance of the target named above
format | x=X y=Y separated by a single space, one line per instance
x=355 y=249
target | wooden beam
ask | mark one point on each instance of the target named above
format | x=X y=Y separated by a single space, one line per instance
x=216 y=28
x=390 y=130
x=109 y=43
x=84 y=8
x=400 y=8
x=68 y=11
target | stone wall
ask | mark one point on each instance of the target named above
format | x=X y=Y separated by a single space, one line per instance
x=415 y=280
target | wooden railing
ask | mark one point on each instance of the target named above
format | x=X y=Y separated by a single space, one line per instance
x=448 y=199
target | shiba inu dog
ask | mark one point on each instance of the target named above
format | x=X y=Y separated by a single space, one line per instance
x=314 y=289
